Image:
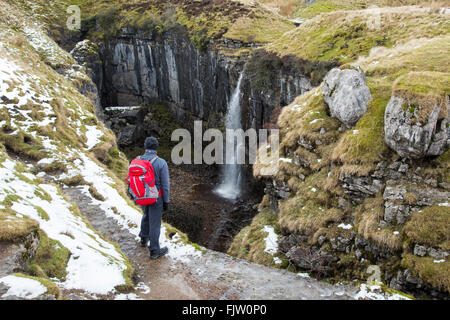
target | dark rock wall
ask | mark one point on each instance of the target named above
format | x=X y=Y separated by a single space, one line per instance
x=139 y=68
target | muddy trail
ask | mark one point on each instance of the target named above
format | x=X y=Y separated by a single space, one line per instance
x=213 y=275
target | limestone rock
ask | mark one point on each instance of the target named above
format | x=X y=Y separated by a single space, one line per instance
x=346 y=93
x=410 y=138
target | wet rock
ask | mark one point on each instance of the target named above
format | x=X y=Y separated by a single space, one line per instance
x=86 y=54
x=15 y=257
x=311 y=258
x=405 y=281
x=408 y=137
x=287 y=242
x=140 y=68
x=346 y=93
x=128 y=135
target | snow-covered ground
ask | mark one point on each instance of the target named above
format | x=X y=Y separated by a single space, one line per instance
x=22 y=287
x=95 y=265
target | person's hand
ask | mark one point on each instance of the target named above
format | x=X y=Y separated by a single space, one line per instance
x=165 y=206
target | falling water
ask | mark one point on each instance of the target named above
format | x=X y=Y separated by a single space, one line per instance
x=230 y=187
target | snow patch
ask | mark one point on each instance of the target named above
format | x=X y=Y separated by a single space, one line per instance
x=345 y=226
x=22 y=287
x=271 y=240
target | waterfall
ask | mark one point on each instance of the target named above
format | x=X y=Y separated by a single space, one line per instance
x=230 y=187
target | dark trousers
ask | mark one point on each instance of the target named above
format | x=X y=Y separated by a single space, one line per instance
x=151 y=223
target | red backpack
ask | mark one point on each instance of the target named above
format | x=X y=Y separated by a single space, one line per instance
x=141 y=182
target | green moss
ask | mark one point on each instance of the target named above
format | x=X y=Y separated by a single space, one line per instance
x=41 y=193
x=347 y=35
x=430 y=227
x=367 y=146
x=127 y=273
x=423 y=91
x=51 y=259
x=42 y=213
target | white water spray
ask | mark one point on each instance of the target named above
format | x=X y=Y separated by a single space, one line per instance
x=230 y=187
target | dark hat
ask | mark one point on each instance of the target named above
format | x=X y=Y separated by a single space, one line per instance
x=151 y=143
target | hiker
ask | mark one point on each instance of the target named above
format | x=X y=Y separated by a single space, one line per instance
x=151 y=220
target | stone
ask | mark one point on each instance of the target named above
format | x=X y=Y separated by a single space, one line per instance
x=403 y=168
x=411 y=139
x=311 y=258
x=346 y=93
x=196 y=84
x=127 y=136
x=396 y=213
x=419 y=250
x=321 y=240
x=437 y=254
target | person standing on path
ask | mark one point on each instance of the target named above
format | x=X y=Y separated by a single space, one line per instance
x=151 y=220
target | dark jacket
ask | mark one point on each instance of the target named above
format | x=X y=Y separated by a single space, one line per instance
x=161 y=173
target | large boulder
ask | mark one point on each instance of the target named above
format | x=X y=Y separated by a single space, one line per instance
x=346 y=93
x=412 y=138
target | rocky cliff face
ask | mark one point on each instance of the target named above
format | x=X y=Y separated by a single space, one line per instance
x=143 y=68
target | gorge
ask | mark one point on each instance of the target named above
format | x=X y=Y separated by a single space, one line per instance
x=359 y=195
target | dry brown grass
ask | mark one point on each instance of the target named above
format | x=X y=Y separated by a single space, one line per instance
x=283 y=7
x=430 y=227
x=14 y=229
x=311 y=207
x=434 y=274
x=367 y=217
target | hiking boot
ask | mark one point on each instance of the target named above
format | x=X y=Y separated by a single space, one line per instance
x=155 y=254
x=144 y=242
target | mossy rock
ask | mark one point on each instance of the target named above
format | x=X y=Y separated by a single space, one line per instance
x=424 y=91
x=436 y=275
x=51 y=259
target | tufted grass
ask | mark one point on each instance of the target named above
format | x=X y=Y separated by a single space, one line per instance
x=434 y=274
x=50 y=260
x=250 y=243
x=346 y=35
x=367 y=218
x=430 y=227
x=304 y=10
x=13 y=228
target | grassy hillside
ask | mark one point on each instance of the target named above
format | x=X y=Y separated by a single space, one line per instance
x=406 y=56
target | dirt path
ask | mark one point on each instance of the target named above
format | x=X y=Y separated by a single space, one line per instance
x=214 y=275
